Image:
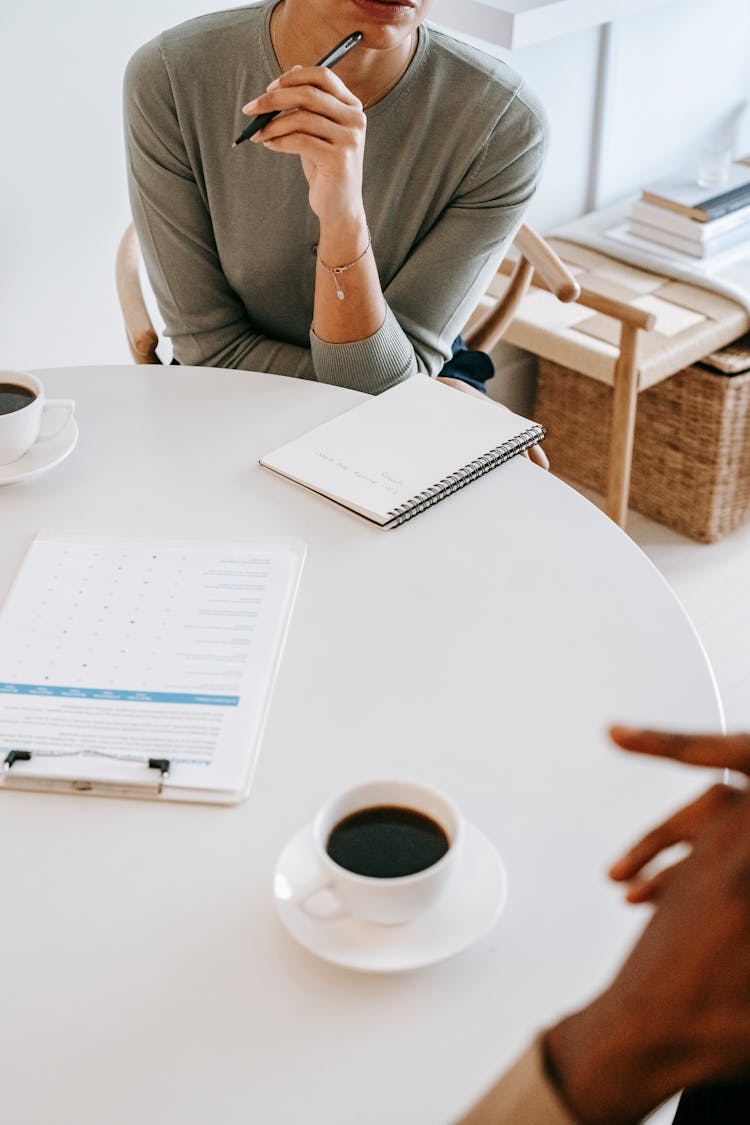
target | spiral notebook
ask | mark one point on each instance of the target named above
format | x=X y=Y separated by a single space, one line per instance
x=404 y=450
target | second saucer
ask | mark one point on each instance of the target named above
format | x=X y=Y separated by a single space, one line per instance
x=466 y=910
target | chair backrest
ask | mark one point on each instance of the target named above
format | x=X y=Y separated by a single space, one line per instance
x=142 y=336
x=535 y=256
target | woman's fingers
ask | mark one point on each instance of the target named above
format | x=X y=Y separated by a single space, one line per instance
x=301 y=97
x=319 y=120
x=722 y=751
x=312 y=121
x=302 y=123
x=538 y=456
x=320 y=76
x=682 y=827
x=312 y=87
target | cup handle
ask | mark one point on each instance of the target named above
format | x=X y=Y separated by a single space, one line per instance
x=310 y=889
x=329 y=906
x=64 y=408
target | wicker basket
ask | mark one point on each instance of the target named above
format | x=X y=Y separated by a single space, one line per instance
x=691 y=456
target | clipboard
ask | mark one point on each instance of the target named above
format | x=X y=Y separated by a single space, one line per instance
x=139 y=668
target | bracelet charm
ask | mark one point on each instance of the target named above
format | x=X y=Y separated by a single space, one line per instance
x=336 y=270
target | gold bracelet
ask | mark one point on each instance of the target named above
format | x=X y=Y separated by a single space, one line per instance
x=336 y=270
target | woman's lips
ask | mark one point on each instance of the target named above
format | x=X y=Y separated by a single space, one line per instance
x=386 y=9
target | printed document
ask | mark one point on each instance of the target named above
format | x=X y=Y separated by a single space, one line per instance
x=136 y=649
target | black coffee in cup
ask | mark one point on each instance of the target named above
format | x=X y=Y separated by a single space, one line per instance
x=14 y=397
x=386 y=842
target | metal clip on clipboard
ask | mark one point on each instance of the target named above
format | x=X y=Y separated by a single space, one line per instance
x=150 y=785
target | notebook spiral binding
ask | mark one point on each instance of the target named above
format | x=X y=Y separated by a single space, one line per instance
x=484 y=464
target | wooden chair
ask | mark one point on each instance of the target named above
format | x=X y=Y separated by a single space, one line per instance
x=538 y=264
x=535 y=262
x=142 y=336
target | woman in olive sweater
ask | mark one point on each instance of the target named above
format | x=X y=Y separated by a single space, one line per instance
x=410 y=165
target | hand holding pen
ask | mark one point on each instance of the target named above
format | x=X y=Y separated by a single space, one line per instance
x=339 y=51
x=311 y=113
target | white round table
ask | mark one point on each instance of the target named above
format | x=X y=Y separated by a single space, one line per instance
x=483 y=647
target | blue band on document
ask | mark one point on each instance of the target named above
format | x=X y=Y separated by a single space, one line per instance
x=119 y=696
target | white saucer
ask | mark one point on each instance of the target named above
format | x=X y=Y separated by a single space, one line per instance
x=466 y=911
x=42 y=456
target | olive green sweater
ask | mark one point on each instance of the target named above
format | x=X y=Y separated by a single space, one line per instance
x=452 y=157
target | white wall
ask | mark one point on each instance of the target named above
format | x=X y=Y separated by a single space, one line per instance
x=675 y=71
x=63 y=197
x=674 y=74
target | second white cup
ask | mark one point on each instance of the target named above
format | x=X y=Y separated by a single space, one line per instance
x=26 y=417
x=385 y=851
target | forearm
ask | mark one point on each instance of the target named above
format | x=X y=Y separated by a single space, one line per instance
x=371 y=365
x=577 y=1073
x=607 y=1067
x=355 y=339
x=207 y=324
x=349 y=305
x=238 y=346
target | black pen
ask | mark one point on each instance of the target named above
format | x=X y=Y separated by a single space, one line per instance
x=334 y=56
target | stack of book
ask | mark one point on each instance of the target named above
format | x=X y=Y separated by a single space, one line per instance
x=700 y=222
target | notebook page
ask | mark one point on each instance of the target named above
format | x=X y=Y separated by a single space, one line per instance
x=135 y=648
x=395 y=445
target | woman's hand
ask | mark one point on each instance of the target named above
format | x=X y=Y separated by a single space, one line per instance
x=685 y=826
x=323 y=123
x=536 y=454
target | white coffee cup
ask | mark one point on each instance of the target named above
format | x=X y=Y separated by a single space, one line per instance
x=39 y=420
x=334 y=891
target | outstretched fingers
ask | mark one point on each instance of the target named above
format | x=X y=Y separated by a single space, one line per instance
x=681 y=828
x=720 y=751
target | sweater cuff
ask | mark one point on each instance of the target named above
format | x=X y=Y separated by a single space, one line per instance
x=523 y=1094
x=371 y=365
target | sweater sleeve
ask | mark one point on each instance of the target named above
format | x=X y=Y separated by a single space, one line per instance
x=206 y=320
x=431 y=297
x=523 y=1094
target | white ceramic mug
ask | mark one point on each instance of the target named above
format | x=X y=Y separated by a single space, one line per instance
x=38 y=420
x=388 y=901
